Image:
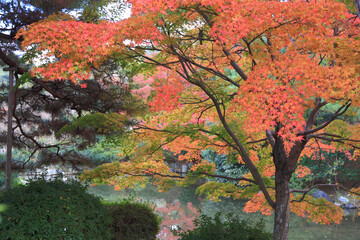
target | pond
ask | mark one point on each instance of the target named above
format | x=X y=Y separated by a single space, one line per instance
x=179 y=207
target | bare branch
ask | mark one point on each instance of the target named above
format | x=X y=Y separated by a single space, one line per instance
x=147 y=173
x=339 y=141
x=338 y=113
x=150 y=174
x=306 y=191
x=257 y=141
x=335 y=138
x=270 y=137
x=7 y=37
x=314 y=113
x=226 y=177
x=236 y=67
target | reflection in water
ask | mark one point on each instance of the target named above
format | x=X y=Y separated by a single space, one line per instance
x=176 y=216
x=178 y=209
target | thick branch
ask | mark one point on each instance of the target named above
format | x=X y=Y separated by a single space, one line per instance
x=240 y=148
x=9 y=61
x=5 y=36
x=314 y=113
x=270 y=137
x=357 y=4
x=339 y=112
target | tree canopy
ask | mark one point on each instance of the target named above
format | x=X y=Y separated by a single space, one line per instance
x=245 y=78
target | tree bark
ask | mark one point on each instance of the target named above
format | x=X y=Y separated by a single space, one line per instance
x=357 y=4
x=282 y=207
x=9 y=127
x=282 y=191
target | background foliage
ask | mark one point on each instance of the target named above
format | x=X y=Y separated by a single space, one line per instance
x=53 y=210
x=133 y=220
x=231 y=228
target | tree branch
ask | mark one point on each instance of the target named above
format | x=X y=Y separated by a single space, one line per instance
x=339 y=141
x=306 y=191
x=339 y=112
x=357 y=4
x=236 y=67
x=226 y=177
x=6 y=37
x=314 y=113
x=270 y=137
x=148 y=173
x=239 y=147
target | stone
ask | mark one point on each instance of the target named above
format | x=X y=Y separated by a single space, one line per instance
x=321 y=194
x=175 y=227
x=350 y=206
x=349 y=212
x=343 y=200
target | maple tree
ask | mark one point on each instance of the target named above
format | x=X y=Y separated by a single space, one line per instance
x=243 y=78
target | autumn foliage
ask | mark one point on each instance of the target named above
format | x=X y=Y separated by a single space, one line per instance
x=243 y=78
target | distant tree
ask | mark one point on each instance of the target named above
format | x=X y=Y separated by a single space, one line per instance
x=44 y=107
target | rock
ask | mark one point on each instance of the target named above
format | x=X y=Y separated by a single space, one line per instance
x=349 y=212
x=350 y=206
x=343 y=200
x=321 y=194
x=175 y=227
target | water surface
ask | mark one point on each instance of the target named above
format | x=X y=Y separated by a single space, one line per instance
x=178 y=207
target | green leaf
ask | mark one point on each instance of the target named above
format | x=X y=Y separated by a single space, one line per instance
x=26 y=77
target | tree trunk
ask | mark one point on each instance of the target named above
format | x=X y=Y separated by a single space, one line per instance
x=357 y=4
x=9 y=127
x=282 y=178
x=282 y=208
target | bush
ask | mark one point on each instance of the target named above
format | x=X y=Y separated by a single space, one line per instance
x=229 y=229
x=335 y=167
x=133 y=220
x=53 y=210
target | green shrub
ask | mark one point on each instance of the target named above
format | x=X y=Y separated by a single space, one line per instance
x=2 y=208
x=225 y=165
x=133 y=220
x=334 y=167
x=53 y=210
x=229 y=229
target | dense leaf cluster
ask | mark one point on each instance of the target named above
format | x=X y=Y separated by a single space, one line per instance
x=58 y=210
x=53 y=210
x=334 y=168
x=229 y=229
x=133 y=221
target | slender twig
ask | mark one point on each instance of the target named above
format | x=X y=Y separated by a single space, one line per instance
x=306 y=191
